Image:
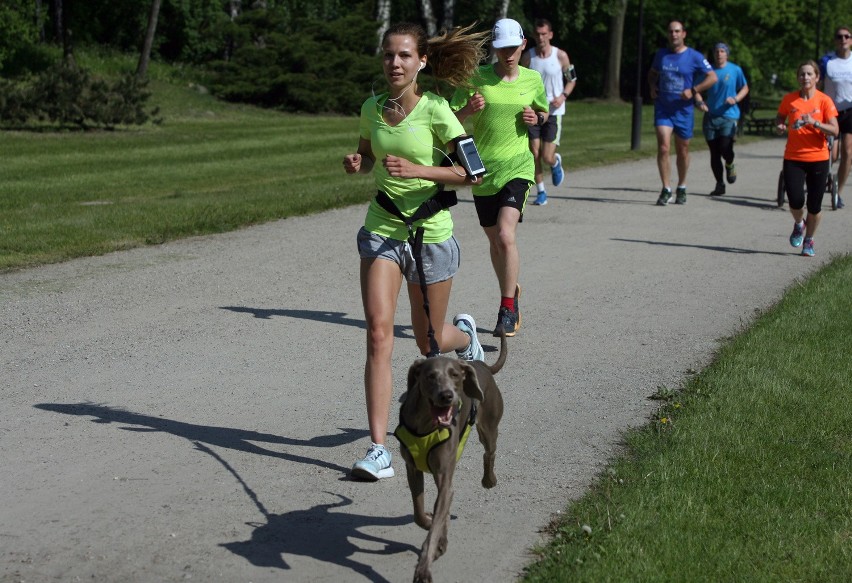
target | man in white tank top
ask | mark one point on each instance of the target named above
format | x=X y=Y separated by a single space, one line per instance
x=836 y=78
x=554 y=66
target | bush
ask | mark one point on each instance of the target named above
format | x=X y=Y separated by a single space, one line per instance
x=310 y=66
x=66 y=95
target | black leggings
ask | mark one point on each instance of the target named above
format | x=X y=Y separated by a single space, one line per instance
x=722 y=147
x=796 y=174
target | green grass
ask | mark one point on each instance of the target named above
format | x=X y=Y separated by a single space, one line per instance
x=209 y=167
x=743 y=475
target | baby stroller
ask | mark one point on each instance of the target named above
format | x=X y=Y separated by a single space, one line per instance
x=831 y=180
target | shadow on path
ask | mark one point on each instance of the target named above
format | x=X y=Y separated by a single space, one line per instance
x=751 y=202
x=236 y=439
x=318 y=316
x=316 y=532
x=707 y=247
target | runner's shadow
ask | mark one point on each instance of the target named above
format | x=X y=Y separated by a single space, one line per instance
x=318 y=316
x=227 y=437
x=707 y=247
x=598 y=199
x=610 y=189
x=746 y=201
x=316 y=532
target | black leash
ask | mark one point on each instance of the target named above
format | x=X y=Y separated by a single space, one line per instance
x=442 y=200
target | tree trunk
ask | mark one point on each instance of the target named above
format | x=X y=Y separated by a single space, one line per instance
x=383 y=15
x=502 y=9
x=428 y=17
x=449 y=14
x=65 y=34
x=58 y=29
x=145 y=57
x=612 y=88
x=234 y=7
x=39 y=16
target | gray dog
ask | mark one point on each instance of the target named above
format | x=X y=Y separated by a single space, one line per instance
x=445 y=397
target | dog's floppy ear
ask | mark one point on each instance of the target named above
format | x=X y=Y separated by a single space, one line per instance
x=414 y=372
x=471 y=382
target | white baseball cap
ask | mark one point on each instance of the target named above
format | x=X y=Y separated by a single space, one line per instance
x=507 y=33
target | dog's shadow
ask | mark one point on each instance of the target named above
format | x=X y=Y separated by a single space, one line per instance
x=317 y=532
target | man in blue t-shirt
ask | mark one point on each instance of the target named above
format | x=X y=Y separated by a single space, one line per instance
x=721 y=114
x=671 y=81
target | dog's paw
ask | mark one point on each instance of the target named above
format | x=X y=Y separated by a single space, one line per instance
x=422 y=575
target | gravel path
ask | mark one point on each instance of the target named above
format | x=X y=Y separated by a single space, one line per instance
x=190 y=411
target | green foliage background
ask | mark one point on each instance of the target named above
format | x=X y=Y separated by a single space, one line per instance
x=319 y=55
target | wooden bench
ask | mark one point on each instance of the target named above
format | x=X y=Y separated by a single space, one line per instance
x=752 y=124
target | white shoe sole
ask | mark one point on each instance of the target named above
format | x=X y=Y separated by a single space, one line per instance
x=366 y=474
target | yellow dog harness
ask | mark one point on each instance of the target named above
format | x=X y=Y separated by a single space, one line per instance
x=419 y=446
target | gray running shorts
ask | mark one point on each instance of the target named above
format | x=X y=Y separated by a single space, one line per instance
x=440 y=260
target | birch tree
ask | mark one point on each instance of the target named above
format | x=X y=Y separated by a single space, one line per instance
x=502 y=9
x=449 y=14
x=383 y=15
x=428 y=16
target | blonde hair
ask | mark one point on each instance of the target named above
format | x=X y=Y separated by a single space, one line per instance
x=453 y=55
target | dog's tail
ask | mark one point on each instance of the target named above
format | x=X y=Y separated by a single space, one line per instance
x=495 y=368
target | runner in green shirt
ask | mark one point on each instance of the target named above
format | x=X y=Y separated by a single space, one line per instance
x=502 y=100
x=405 y=135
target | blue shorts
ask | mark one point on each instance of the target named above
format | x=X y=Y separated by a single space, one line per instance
x=440 y=260
x=679 y=118
x=718 y=127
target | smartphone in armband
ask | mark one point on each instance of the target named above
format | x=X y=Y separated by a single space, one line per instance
x=469 y=157
x=572 y=73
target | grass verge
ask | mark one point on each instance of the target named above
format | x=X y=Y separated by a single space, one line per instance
x=743 y=475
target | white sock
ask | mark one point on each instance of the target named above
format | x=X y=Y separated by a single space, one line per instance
x=540 y=186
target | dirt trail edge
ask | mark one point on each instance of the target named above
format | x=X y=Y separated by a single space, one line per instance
x=191 y=411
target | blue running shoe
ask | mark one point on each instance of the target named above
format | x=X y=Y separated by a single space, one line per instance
x=665 y=195
x=466 y=324
x=375 y=465
x=808 y=248
x=798 y=235
x=840 y=203
x=541 y=199
x=557 y=175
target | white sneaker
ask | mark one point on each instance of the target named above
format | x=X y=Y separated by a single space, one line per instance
x=375 y=465
x=466 y=324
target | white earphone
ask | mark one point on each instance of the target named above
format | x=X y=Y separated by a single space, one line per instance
x=422 y=66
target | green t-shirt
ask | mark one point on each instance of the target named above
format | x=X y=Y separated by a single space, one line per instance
x=420 y=138
x=499 y=131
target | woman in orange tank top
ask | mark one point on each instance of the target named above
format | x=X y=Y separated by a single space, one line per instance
x=808 y=116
